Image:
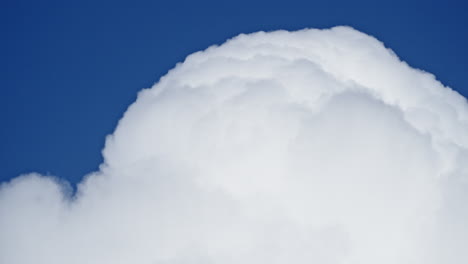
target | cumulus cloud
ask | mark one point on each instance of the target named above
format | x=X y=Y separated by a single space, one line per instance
x=313 y=146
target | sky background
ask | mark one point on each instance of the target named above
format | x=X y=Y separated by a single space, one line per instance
x=71 y=68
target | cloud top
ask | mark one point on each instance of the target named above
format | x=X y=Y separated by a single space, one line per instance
x=313 y=146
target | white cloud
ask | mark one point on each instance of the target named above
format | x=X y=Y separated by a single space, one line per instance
x=314 y=146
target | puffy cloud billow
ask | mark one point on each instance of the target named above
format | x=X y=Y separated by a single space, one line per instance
x=313 y=146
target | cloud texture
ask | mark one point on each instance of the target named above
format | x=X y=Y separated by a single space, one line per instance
x=314 y=146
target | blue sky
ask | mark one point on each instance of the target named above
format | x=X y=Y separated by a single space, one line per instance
x=71 y=68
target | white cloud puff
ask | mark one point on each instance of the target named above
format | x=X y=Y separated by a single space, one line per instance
x=313 y=146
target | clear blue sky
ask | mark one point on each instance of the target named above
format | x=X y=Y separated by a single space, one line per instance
x=69 y=69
